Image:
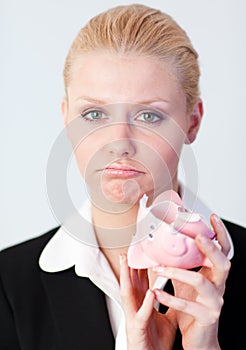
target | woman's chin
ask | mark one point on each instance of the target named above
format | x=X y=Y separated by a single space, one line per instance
x=117 y=196
x=121 y=192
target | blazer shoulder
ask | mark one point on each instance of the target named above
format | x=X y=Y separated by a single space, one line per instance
x=26 y=250
x=234 y=228
x=238 y=236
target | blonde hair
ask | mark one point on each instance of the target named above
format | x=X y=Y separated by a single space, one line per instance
x=142 y=30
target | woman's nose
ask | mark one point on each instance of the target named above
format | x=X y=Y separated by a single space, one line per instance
x=122 y=143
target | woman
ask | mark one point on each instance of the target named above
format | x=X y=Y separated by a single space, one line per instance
x=132 y=101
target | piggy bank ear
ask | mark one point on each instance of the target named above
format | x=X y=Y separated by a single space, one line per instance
x=137 y=259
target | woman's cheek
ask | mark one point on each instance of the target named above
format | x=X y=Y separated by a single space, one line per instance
x=166 y=168
x=82 y=159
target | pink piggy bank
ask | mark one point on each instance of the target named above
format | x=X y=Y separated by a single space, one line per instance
x=165 y=235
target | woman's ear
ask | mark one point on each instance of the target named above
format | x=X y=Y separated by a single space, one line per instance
x=195 y=119
x=64 y=110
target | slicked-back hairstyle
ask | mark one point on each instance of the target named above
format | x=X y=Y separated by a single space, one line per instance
x=140 y=30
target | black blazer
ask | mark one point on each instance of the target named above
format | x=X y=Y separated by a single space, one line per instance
x=61 y=311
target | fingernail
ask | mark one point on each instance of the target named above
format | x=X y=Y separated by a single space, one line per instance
x=157 y=292
x=121 y=258
x=148 y=293
x=218 y=220
x=159 y=269
x=202 y=238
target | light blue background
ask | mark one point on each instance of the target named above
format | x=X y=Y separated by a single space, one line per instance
x=35 y=37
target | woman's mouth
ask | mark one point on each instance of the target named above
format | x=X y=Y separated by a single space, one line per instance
x=122 y=171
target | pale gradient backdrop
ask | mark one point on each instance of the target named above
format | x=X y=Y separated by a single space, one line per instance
x=35 y=37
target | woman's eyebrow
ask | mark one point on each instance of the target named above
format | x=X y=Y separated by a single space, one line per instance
x=91 y=100
x=153 y=101
x=102 y=102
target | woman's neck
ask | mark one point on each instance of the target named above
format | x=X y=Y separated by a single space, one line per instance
x=114 y=230
x=114 y=233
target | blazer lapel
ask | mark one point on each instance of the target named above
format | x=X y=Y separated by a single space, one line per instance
x=79 y=312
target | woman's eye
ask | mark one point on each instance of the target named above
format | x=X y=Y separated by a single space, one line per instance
x=148 y=117
x=93 y=115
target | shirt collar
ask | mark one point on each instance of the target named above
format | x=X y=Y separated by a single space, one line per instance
x=64 y=250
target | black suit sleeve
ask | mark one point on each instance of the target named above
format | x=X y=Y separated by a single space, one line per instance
x=8 y=336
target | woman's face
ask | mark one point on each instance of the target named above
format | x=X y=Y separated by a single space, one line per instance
x=126 y=118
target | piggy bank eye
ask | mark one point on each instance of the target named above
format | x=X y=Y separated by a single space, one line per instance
x=151 y=237
x=152 y=227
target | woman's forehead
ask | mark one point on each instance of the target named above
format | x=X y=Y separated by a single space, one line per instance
x=110 y=78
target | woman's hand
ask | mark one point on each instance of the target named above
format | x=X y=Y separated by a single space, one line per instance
x=195 y=308
x=146 y=328
x=199 y=295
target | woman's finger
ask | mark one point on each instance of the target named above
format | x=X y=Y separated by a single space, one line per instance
x=126 y=288
x=143 y=279
x=200 y=283
x=221 y=233
x=146 y=309
x=220 y=263
x=204 y=315
x=137 y=287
